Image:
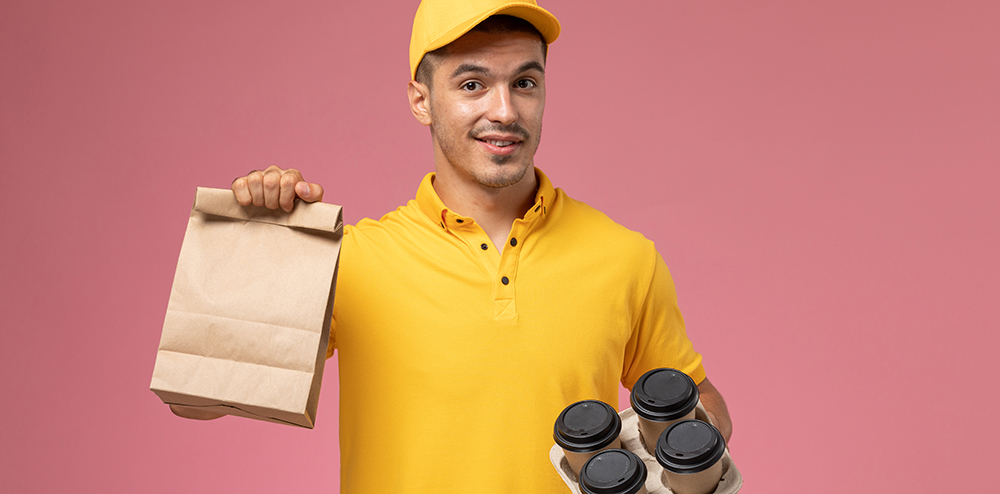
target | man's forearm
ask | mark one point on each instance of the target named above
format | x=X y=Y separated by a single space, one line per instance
x=715 y=405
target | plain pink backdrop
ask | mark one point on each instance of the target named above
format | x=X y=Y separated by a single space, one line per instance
x=821 y=177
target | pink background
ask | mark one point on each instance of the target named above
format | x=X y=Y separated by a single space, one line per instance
x=821 y=177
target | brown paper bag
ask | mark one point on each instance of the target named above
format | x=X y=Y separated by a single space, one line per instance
x=248 y=320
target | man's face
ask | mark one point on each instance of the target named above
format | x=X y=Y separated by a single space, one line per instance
x=486 y=101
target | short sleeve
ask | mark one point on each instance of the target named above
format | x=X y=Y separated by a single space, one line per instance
x=346 y=247
x=659 y=338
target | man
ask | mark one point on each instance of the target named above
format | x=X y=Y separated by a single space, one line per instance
x=467 y=319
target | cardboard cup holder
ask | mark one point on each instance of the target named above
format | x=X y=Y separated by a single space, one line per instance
x=656 y=482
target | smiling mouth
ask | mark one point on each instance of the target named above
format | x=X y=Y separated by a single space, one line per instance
x=499 y=144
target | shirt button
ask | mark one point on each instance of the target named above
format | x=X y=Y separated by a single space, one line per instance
x=513 y=242
x=504 y=280
x=484 y=246
x=460 y=221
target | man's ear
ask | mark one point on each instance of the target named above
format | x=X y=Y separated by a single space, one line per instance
x=420 y=103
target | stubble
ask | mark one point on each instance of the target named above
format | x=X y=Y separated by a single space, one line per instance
x=510 y=170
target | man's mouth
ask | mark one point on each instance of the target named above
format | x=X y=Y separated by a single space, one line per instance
x=501 y=144
x=500 y=140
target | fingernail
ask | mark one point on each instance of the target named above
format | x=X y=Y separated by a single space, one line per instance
x=303 y=189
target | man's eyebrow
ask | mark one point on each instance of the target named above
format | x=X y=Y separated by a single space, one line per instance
x=532 y=65
x=479 y=69
x=469 y=67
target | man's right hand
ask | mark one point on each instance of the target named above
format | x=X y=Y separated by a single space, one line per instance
x=274 y=188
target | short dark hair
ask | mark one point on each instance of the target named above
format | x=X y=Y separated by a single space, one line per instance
x=497 y=24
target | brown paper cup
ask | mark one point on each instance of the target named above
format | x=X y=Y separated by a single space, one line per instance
x=662 y=397
x=615 y=471
x=704 y=482
x=650 y=431
x=576 y=460
x=690 y=452
x=585 y=428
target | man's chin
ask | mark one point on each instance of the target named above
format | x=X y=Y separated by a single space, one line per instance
x=511 y=173
x=502 y=160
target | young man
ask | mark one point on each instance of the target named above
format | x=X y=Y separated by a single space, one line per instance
x=467 y=319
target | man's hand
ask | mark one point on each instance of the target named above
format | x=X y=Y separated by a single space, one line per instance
x=718 y=414
x=274 y=187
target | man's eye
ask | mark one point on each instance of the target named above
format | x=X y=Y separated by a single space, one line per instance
x=471 y=86
x=525 y=84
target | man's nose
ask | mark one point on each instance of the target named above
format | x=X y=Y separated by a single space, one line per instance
x=501 y=108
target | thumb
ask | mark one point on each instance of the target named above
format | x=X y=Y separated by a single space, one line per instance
x=309 y=192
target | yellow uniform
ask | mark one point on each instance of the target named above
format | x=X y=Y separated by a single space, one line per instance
x=456 y=359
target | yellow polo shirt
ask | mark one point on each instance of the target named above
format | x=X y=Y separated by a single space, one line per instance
x=455 y=360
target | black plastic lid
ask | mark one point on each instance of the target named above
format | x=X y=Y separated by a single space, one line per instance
x=689 y=446
x=614 y=471
x=587 y=426
x=664 y=394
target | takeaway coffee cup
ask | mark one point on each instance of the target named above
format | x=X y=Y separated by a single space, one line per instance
x=613 y=471
x=660 y=398
x=690 y=452
x=584 y=428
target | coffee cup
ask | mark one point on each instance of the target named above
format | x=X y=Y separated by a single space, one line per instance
x=660 y=398
x=690 y=452
x=585 y=428
x=613 y=471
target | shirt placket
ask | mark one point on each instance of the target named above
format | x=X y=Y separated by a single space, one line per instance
x=466 y=230
x=505 y=282
x=503 y=267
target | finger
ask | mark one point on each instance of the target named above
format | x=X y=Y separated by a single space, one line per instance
x=309 y=192
x=287 y=194
x=241 y=191
x=272 y=188
x=255 y=184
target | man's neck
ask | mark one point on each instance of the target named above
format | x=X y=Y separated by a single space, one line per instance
x=494 y=209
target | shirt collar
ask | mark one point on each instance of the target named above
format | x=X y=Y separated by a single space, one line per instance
x=434 y=208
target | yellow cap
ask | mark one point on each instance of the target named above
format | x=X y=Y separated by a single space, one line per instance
x=439 y=22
